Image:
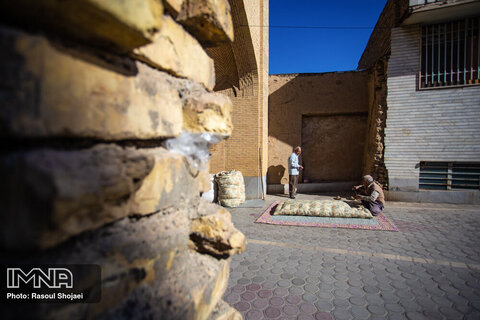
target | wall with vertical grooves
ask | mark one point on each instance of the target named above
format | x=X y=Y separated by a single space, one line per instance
x=432 y=125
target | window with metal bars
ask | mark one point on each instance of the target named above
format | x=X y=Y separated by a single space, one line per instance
x=449 y=175
x=420 y=2
x=450 y=54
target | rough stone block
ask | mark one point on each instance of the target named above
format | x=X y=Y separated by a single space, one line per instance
x=213 y=232
x=206 y=112
x=190 y=289
x=51 y=195
x=173 y=6
x=171 y=180
x=137 y=253
x=223 y=311
x=119 y=25
x=210 y=21
x=177 y=52
x=51 y=90
x=147 y=271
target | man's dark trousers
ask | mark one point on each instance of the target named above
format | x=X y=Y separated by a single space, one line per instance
x=292 y=185
x=375 y=207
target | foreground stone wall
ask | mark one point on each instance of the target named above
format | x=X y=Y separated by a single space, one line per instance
x=90 y=91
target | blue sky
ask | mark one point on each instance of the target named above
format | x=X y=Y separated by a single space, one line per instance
x=317 y=49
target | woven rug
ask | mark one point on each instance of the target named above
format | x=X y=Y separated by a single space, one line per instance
x=379 y=222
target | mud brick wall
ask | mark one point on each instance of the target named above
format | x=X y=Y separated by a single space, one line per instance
x=375 y=59
x=374 y=161
x=326 y=114
x=90 y=91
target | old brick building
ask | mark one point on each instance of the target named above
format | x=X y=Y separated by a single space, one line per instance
x=412 y=107
x=429 y=51
x=242 y=74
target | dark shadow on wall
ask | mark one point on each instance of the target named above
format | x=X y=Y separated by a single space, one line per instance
x=333 y=147
x=275 y=174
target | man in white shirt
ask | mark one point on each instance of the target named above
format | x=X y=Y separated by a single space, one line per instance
x=293 y=172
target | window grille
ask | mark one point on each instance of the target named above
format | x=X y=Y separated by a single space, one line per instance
x=449 y=175
x=450 y=54
x=420 y=2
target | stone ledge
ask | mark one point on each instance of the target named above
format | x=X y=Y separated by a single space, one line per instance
x=189 y=289
x=50 y=195
x=209 y=21
x=64 y=92
x=177 y=52
x=207 y=112
x=118 y=25
x=171 y=180
x=144 y=259
x=58 y=91
x=213 y=232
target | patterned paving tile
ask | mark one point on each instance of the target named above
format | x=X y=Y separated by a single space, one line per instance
x=430 y=269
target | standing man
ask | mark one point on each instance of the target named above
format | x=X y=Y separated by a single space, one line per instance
x=374 y=199
x=293 y=171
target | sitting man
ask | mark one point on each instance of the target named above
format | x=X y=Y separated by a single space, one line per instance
x=374 y=199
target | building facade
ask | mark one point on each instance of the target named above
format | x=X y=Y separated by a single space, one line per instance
x=241 y=69
x=432 y=131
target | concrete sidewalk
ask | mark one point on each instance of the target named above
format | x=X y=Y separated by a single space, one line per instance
x=430 y=269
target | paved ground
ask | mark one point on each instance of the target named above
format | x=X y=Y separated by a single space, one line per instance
x=430 y=269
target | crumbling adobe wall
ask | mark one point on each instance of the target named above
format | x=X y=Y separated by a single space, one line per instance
x=90 y=92
x=375 y=60
x=336 y=97
x=374 y=161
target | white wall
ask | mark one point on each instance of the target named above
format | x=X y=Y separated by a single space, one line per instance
x=427 y=125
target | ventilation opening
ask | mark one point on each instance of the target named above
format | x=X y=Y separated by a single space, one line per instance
x=449 y=175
